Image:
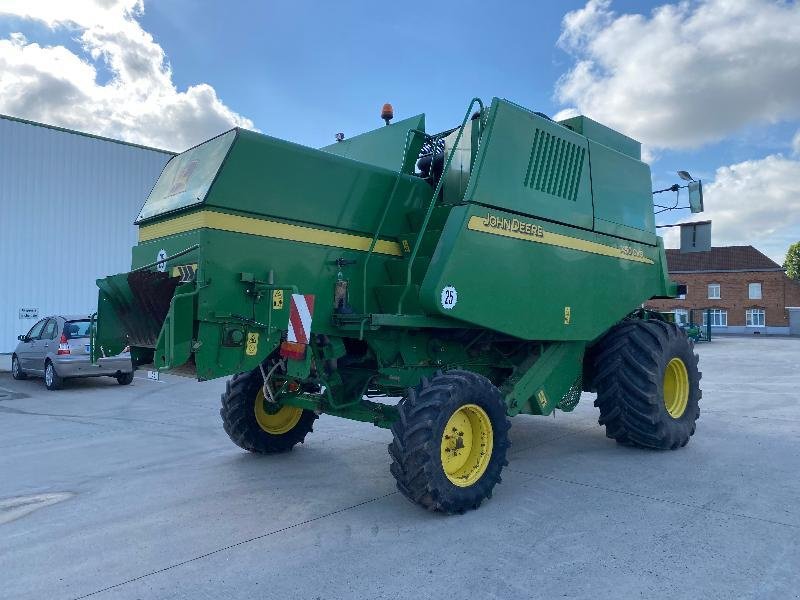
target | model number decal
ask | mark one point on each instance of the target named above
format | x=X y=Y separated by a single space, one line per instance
x=531 y=232
x=631 y=251
x=513 y=225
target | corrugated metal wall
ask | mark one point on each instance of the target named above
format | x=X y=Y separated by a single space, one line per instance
x=67 y=205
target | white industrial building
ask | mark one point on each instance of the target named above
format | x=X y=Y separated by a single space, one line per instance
x=67 y=205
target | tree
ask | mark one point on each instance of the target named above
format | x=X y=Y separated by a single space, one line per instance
x=792 y=262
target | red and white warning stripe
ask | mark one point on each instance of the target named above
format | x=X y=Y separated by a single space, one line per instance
x=300 y=311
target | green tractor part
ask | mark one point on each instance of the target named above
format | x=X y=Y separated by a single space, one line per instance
x=493 y=269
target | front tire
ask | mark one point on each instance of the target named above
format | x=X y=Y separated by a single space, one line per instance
x=16 y=370
x=450 y=442
x=52 y=380
x=254 y=425
x=124 y=378
x=648 y=384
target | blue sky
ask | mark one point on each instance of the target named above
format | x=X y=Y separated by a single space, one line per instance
x=678 y=77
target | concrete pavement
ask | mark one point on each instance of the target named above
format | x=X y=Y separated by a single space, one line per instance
x=136 y=492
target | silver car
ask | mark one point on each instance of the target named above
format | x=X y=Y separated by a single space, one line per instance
x=57 y=348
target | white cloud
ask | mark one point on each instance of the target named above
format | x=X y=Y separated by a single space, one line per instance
x=140 y=103
x=688 y=73
x=796 y=143
x=755 y=202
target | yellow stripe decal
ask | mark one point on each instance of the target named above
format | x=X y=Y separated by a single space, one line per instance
x=513 y=228
x=265 y=228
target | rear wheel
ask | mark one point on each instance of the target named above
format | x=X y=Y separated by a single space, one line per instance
x=124 y=378
x=450 y=442
x=648 y=384
x=259 y=426
x=52 y=381
x=16 y=369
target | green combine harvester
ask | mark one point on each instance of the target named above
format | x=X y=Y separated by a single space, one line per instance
x=494 y=269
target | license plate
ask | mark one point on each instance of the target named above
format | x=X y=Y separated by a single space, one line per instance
x=87 y=349
x=152 y=375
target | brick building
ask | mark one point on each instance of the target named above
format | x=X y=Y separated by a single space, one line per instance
x=746 y=291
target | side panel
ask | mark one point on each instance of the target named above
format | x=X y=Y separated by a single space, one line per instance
x=623 y=202
x=537 y=280
x=274 y=178
x=228 y=309
x=386 y=146
x=531 y=165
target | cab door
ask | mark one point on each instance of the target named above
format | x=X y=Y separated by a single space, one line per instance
x=29 y=346
x=47 y=344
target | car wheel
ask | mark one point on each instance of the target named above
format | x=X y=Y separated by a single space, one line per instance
x=124 y=378
x=51 y=379
x=16 y=369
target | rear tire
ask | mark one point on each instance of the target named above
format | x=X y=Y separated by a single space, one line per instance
x=257 y=429
x=450 y=442
x=16 y=370
x=648 y=384
x=124 y=378
x=52 y=381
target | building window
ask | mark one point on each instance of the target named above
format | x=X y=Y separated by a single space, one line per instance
x=713 y=291
x=755 y=317
x=683 y=296
x=719 y=317
x=681 y=316
x=754 y=291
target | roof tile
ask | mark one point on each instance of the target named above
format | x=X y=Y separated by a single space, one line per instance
x=720 y=258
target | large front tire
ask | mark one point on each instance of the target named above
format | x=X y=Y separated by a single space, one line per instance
x=16 y=369
x=450 y=442
x=255 y=426
x=52 y=380
x=648 y=384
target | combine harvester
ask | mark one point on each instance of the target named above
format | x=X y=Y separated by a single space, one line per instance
x=490 y=270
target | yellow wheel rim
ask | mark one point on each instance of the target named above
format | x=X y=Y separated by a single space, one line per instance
x=466 y=445
x=676 y=388
x=278 y=422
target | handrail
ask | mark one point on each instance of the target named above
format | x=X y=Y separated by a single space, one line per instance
x=166 y=259
x=428 y=214
x=385 y=213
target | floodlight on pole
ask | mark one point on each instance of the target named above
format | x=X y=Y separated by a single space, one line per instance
x=685 y=176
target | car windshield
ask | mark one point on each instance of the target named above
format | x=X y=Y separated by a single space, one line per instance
x=186 y=179
x=76 y=329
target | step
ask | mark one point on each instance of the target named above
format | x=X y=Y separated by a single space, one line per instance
x=397 y=269
x=388 y=296
x=438 y=217
x=429 y=240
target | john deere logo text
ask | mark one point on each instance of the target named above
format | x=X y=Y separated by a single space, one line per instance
x=516 y=225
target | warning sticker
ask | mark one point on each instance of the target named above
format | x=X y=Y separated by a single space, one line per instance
x=185 y=273
x=449 y=297
x=161 y=257
x=252 y=344
x=277 y=299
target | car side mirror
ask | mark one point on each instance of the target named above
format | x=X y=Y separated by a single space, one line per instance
x=22 y=338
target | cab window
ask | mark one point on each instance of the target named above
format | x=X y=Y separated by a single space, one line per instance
x=36 y=330
x=187 y=177
x=76 y=329
x=49 y=330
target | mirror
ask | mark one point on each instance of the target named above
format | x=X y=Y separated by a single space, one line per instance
x=22 y=338
x=695 y=196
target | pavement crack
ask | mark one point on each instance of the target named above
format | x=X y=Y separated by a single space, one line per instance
x=703 y=507
x=70 y=418
x=234 y=545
